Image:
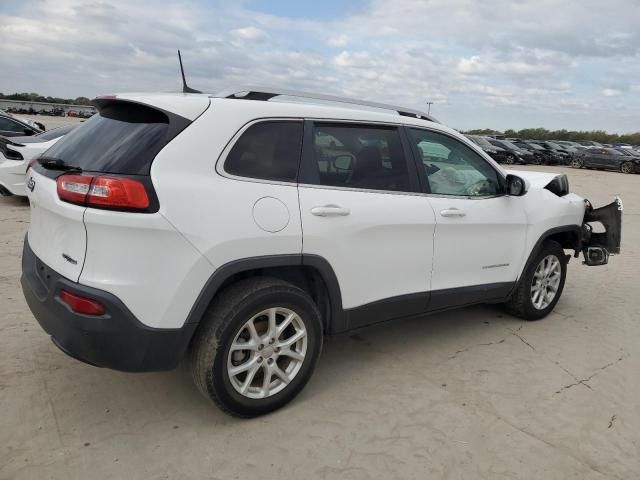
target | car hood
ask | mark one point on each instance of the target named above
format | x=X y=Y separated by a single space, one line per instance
x=535 y=179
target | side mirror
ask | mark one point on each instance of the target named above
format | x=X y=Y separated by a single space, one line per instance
x=516 y=186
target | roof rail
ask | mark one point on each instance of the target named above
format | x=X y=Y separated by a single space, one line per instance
x=264 y=94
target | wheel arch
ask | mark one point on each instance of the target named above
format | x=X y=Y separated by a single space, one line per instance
x=311 y=273
x=568 y=236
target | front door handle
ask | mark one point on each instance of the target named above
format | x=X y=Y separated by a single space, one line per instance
x=330 y=211
x=452 y=212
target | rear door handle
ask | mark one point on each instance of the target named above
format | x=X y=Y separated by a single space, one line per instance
x=330 y=211
x=452 y=212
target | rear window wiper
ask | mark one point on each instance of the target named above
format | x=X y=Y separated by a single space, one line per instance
x=51 y=163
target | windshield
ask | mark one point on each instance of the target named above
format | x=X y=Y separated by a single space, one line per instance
x=535 y=146
x=482 y=142
x=513 y=146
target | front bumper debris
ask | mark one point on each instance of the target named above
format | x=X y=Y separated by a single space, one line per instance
x=598 y=245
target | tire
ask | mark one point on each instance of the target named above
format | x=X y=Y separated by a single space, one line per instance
x=521 y=303
x=577 y=163
x=536 y=160
x=627 y=167
x=510 y=160
x=225 y=323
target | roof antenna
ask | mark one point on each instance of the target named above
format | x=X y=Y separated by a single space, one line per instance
x=185 y=87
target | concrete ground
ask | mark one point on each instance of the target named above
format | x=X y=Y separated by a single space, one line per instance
x=467 y=394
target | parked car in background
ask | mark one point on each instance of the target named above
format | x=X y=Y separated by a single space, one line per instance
x=17 y=152
x=514 y=153
x=499 y=154
x=555 y=154
x=11 y=126
x=590 y=143
x=606 y=158
x=628 y=152
x=539 y=154
x=574 y=145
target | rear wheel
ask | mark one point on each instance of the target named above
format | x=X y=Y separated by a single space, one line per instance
x=510 y=160
x=257 y=346
x=541 y=285
x=627 y=167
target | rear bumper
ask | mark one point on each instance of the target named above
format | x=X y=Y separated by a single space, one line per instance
x=115 y=340
x=12 y=178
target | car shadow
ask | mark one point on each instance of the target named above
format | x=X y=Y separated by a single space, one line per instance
x=345 y=359
x=14 y=201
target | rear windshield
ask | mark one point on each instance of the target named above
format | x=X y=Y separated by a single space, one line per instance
x=55 y=133
x=123 y=138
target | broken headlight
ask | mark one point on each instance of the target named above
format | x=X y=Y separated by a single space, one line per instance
x=559 y=185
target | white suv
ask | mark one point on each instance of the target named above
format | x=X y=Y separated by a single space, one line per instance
x=238 y=232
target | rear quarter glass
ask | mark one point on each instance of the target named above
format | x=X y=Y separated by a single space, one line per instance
x=123 y=138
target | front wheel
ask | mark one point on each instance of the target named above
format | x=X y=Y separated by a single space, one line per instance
x=627 y=167
x=510 y=160
x=257 y=346
x=577 y=163
x=541 y=285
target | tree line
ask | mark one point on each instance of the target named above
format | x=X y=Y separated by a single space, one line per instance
x=571 y=135
x=528 y=133
x=35 y=97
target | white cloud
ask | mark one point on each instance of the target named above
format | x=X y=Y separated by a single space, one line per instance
x=511 y=59
x=338 y=41
x=611 y=92
x=248 y=33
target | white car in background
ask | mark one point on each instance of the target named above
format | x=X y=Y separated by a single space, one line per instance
x=17 y=152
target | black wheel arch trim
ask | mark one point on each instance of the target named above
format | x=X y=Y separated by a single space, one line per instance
x=228 y=270
x=575 y=229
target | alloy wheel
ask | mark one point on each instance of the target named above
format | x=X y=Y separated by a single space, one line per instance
x=546 y=282
x=267 y=353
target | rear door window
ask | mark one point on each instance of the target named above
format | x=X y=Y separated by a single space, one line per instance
x=359 y=156
x=267 y=150
x=123 y=138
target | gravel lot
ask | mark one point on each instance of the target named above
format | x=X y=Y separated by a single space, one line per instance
x=472 y=393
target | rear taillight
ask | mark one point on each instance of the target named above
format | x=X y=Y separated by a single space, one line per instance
x=74 y=188
x=117 y=193
x=84 y=305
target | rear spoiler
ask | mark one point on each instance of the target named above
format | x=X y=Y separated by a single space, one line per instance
x=4 y=141
x=10 y=153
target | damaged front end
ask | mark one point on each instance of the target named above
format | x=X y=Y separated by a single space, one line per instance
x=597 y=245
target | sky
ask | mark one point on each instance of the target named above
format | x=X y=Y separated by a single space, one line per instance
x=498 y=64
